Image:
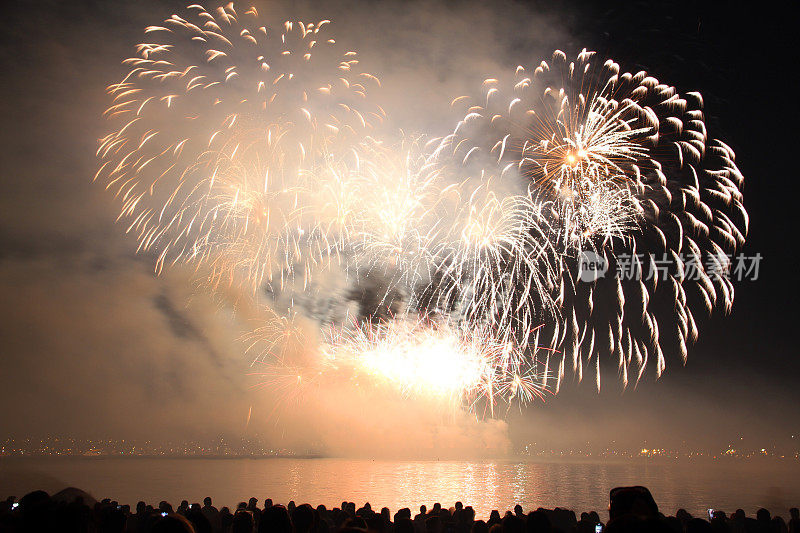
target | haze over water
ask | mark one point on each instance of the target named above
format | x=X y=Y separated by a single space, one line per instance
x=486 y=485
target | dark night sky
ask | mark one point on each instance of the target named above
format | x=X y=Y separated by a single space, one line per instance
x=91 y=341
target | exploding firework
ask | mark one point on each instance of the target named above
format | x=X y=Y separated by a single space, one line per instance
x=401 y=184
x=619 y=164
x=457 y=364
x=246 y=148
x=215 y=130
x=452 y=365
x=252 y=151
x=489 y=263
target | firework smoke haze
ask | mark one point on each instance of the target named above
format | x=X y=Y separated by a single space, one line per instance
x=244 y=148
x=290 y=185
x=302 y=253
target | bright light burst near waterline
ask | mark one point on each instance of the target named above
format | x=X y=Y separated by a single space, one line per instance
x=420 y=360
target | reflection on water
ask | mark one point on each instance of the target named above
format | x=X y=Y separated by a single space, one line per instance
x=395 y=484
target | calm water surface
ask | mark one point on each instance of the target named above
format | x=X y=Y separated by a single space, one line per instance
x=395 y=484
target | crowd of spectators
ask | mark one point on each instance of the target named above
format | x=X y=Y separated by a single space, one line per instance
x=631 y=509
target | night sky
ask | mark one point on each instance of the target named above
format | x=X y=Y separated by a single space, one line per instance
x=93 y=343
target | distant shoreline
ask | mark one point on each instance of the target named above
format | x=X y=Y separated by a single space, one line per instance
x=511 y=459
x=132 y=456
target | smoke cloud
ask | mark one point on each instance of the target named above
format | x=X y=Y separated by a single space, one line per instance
x=95 y=344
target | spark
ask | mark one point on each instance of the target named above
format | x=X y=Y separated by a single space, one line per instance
x=621 y=165
x=234 y=152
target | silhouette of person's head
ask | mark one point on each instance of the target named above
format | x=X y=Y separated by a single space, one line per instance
x=469 y=514
x=207 y=501
x=479 y=526
x=538 y=522
x=173 y=523
x=403 y=525
x=433 y=524
x=303 y=518
x=242 y=522
x=198 y=520
x=632 y=501
x=698 y=525
x=275 y=519
x=512 y=524
x=34 y=501
x=778 y=524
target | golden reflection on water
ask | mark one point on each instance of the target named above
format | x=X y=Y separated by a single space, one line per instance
x=485 y=485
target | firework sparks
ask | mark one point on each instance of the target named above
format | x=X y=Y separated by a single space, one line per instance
x=214 y=129
x=458 y=365
x=619 y=164
x=251 y=150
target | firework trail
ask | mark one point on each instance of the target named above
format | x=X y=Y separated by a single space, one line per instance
x=246 y=149
x=489 y=263
x=253 y=152
x=215 y=129
x=397 y=228
x=437 y=266
x=621 y=165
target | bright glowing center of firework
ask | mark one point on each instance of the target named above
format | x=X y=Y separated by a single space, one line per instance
x=436 y=365
x=419 y=361
x=574 y=158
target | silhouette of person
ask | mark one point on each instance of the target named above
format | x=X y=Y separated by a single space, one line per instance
x=794 y=520
x=212 y=515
